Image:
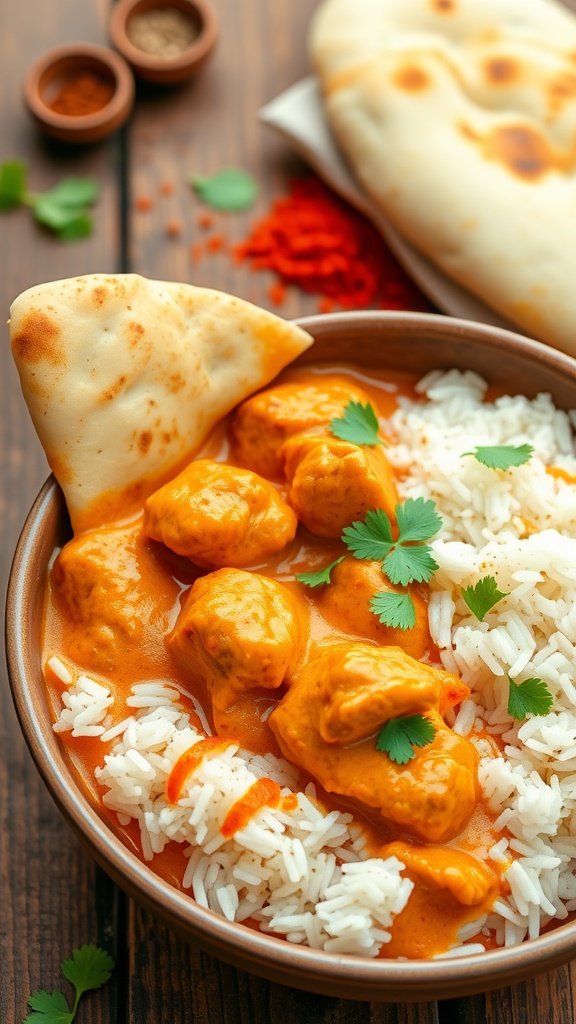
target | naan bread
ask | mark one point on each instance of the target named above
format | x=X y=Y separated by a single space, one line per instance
x=125 y=377
x=459 y=119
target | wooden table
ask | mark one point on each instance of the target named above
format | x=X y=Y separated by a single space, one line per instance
x=52 y=897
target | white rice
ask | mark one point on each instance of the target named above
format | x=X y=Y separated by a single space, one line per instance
x=304 y=873
x=518 y=526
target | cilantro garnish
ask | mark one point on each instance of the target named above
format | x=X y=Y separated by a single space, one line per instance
x=64 y=209
x=400 y=735
x=318 y=579
x=86 y=968
x=231 y=190
x=395 y=610
x=406 y=559
x=532 y=697
x=482 y=596
x=359 y=425
x=502 y=456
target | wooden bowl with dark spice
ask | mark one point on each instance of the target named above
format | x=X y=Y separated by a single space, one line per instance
x=79 y=93
x=164 y=41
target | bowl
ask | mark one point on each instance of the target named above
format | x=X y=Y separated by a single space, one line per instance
x=164 y=41
x=79 y=93
x=406 y=341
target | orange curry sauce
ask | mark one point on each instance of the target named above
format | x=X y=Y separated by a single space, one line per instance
x=138 y=651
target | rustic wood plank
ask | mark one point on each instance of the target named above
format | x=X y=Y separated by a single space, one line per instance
x=166 y=971
x=52 y=897
x=548 y=999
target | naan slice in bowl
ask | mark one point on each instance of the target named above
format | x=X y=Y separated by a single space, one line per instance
x=459 y=119
x=125 y=377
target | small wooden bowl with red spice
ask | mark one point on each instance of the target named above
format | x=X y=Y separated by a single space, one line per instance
x=79 y=93
x=165 y=42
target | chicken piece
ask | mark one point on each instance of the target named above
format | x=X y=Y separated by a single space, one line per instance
x=328 y=721
x=265 y=421
x=239 y=631
x=335 y=483
x=98 y=581
x=468 y=880
x=218 y=515
x=345 y=604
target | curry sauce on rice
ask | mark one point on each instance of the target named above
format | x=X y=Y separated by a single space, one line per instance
x=225 y=706
x=311 y=651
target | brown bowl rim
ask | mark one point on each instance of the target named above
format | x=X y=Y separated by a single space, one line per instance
x=289 y=964
x=139 y=59
x=118 y=107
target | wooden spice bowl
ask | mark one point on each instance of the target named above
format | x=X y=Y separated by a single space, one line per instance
x=165 y=68
x=79 y=93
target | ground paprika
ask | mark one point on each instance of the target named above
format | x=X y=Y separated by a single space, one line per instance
x=313 y=239
x=82 y=93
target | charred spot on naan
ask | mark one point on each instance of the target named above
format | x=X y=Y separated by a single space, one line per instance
x=412 y=78
x=501 y=70
x=39 y=339
x=444 y=6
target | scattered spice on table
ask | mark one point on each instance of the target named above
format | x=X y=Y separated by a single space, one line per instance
x=163 y=32
x=313 y=239
x=144 y=203
x=82 y=93
x=166 y=188
x=174 y=228
x=205 y=220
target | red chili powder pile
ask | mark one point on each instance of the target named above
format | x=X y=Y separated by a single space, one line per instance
x=315 y=240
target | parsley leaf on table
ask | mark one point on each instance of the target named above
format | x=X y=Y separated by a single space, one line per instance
x=64 y=209
x=502 y=456
x=400 y=735
x=12 y=184
x=231 y=190
x=86 y=968
x=318 y=579
x=532 y=697
x=404 y=560
x=481 y=597
x=359 y=425
x=395 y=610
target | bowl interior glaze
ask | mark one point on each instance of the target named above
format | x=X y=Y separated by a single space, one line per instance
x=400 y=341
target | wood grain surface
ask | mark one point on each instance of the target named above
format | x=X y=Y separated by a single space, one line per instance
x=52 y=897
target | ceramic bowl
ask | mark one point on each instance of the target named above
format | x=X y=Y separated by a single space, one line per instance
x=164 y=70
x=405 y=341
x=51 y=75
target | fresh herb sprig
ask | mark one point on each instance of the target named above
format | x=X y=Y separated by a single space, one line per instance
x=86 y=969
x=394 y=610
x=532 y=697
x=358 y=424
x=63 y=209
x=406 y=559
x=481 y=597
x=231 y=189
x=502 y=456
x=400 y=735
x=321 y=577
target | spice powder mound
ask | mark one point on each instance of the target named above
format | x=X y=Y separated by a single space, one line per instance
x=162 y=32
x=313 y=239
x=81 y=94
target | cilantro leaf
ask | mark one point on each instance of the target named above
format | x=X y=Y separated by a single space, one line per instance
x=86 y=968
x=532 y=697
x=409 y=564
x=395 y=610
x=73 y=192
x=502 y=456
x=371 y=539
x=231 y=189
x=417 y=520
x=481 y=597
x=318 y=579
x=12 y=184
x=49 y=1008
x=400 y=735
x=359 y=424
